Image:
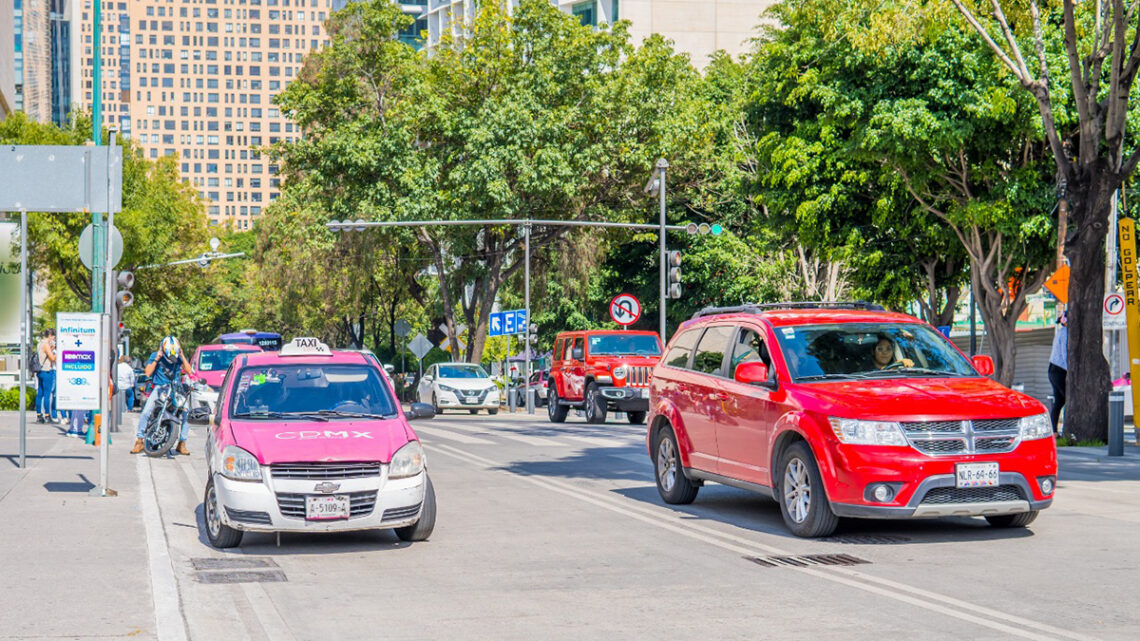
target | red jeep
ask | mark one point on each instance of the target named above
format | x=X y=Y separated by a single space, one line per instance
x=602 y=370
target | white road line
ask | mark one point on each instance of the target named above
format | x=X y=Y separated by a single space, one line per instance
x=506 y=433
x=168 y=617
x=272 y=623
x=853 y=578
x=438 y=432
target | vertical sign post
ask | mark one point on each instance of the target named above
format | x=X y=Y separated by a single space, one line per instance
x=1131 y=301
x=79 y=343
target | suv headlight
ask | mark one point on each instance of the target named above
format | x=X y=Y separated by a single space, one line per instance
x=408 y=461
x=620 y=372
x=1035 y=427
x=240 y=465
x=854 y=431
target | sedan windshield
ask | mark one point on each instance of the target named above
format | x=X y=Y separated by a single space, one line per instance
x=869 y=350
x=216 y=360
x=294 y=390
x=625 y=344
x=462 y=371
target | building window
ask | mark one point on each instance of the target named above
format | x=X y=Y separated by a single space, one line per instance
x=586 y=12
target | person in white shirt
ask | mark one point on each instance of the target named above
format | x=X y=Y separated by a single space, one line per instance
x=125 y=381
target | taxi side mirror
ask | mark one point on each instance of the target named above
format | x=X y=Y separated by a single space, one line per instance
x=420 y=410
x=984 y=364
x=751 y=373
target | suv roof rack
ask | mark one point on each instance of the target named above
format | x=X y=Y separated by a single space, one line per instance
x=756 y=308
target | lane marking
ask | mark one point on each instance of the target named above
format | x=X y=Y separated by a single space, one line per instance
x=437 y=432
x=739 y=545
x=506 y=433
x=170 y=624
x=272 y=623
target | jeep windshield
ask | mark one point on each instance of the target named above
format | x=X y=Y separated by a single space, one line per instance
x=624 y=345
x=304 y=391
x=849 y=351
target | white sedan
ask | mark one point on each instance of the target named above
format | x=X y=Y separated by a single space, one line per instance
x=459 y=386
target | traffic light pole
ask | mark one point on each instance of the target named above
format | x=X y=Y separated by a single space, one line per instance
x=662 y=167
x=108 y=345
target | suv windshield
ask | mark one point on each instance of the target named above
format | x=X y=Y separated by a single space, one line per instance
x=625 y=344
x=869 y=350
x=462 y=371
x=216 y=360
x=273 y=390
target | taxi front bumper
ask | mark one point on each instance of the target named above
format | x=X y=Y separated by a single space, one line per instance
x=278 y=505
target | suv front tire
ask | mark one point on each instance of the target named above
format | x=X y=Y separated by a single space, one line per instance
x=799 y=491
x=672 y=484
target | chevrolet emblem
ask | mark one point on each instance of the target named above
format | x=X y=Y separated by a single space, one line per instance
x=326 y=487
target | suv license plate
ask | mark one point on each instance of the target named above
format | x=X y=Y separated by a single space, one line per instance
x=976 y=474
x=324 y=508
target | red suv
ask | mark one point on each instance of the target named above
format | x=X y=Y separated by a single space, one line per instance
x=602 y=370
x=844 y=410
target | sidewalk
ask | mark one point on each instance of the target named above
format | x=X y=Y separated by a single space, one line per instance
x=71 y=565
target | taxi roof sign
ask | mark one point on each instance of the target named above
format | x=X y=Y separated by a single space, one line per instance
x=305 y=346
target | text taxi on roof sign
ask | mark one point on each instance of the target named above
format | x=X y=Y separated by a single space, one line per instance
x=311 y=439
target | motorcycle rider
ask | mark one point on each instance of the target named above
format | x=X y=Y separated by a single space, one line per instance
x=163 y=366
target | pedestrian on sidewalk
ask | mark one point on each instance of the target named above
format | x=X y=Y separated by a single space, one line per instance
x=1059 y=368
x=45 y=378
x=126 y=382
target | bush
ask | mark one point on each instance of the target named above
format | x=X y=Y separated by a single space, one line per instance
x=10 y=399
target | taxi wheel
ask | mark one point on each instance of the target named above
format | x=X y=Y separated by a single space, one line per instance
x=1012 y=520
x=555 y=410
x=595 y=405
x=220 y=535
x=672 y=484
x=636 y=418
x=421 y=529
x=800 y=493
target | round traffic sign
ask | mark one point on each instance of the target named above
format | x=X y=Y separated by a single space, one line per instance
x=1113 y=304
x=87 y=246
x=625 y=309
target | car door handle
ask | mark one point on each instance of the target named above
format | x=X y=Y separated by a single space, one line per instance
x=719 y=396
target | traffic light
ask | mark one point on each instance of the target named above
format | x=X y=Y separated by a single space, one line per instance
x=673 y=264
x=124 y=297
x=704 y=228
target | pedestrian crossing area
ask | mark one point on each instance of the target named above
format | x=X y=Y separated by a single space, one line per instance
x=478 y=431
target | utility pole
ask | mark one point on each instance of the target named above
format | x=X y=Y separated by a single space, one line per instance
x=97 y=230
x=662 y=167
x=526 y=303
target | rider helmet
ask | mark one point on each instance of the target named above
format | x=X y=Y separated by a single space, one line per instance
x=170 y=348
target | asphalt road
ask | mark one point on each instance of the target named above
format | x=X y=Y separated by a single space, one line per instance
x=556 y=532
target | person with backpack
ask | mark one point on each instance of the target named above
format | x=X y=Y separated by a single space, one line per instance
x=43 y=364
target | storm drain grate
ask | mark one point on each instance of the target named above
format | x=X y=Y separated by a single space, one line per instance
x=869 y=539
x=806 y=560
x=238 y=570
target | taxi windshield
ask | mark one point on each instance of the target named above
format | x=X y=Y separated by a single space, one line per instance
x=337 y=391
x=625 y=345
x=869 y=350
x=216 y=360
x=462 y=371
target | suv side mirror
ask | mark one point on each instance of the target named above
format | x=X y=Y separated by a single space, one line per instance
x=751 y=373
x=420 y=410
x=576 y=354
x=984 y=364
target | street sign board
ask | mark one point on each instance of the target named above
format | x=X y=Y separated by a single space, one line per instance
x=61 y=178
x=520 y=321
x=402 y=328
x=1058 y=284
x=1114 y=311
x=509 y=322
x=625 y=309
x=87 y=246
x=79 y=344
x=420 y=346
x=496 y=325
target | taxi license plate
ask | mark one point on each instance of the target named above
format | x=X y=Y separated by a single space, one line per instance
x=976 y=474
x=324 y=508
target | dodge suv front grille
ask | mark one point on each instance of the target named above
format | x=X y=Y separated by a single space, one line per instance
x=949 y=495
x=952 y=438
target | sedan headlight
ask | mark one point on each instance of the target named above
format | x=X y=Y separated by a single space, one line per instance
x=1035 y=427
x=240 y=465
x=858 y=432
x=447 y=388
x=492 y=391
x=408 y=461
x=620 y=372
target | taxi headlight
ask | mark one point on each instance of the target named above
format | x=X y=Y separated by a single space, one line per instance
x=240 y=465
x=408 y=461
x=1035 y=427
x=620 y=372
x=858 y=432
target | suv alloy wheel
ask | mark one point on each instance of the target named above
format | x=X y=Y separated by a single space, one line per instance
x=800 y=493
x=595 y=405
x=555 y=410
x=672 y=484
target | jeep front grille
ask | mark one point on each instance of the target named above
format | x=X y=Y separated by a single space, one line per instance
x=639 y=376
x=954 y=438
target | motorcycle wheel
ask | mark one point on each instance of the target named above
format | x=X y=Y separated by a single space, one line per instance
x=160 y=437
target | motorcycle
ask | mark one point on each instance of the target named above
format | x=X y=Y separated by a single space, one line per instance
x=165 y=424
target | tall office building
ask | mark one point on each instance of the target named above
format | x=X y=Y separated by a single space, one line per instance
x=697 y=27
x=7 y=60
x=32 y=39
x=196 y=78
x=60 y=32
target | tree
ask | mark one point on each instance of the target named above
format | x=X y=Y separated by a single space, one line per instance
x=1101 y=59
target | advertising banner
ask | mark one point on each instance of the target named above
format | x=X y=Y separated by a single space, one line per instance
x=79 y=346
x=1128 y=274
x=9 y=283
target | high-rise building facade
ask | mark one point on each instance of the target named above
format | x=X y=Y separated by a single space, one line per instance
x=196 y=79
x=697 y=27
x=60 y=33
x=31 y=24
x=7 y=59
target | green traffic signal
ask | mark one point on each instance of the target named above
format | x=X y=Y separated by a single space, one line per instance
x=717 y=229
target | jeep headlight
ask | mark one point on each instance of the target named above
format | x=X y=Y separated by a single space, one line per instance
x=854 y=431
x=1035 y=427
x=620 y=372
x=408 y=461
x=240 y=465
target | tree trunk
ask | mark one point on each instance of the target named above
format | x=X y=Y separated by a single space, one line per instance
x=444 y=293
x=1087 y=383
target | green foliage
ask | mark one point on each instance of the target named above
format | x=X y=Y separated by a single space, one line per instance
x=10 y=399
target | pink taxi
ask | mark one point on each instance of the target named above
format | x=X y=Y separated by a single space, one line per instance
x=313 y=440
x=209 y=365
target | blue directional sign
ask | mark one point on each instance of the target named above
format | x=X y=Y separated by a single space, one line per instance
x=520 y=321
x=496 y=328
x=509 y=322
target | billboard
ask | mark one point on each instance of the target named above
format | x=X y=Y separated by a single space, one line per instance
x=78 y=346
x=9 y=283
